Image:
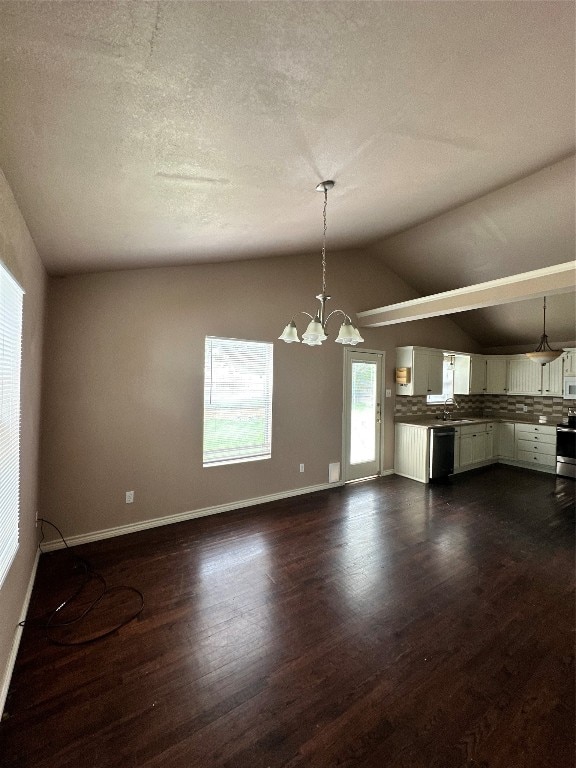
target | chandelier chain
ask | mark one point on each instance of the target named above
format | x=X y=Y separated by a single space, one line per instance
x=324 y=244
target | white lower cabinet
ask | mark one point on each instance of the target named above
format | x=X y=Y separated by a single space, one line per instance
x=536 y=444
x=476 y=444
x=505 y=442
x=411 y=452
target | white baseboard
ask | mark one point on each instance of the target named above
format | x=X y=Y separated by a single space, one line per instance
x=17 y=637
x=120 y=530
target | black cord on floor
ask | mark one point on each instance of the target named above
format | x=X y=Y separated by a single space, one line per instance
x=48 y=620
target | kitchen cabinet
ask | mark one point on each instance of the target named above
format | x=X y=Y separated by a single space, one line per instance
x=476 y=444
x=469 y=374
x=536 y=444
x=477 y=374
x=552 y=378
x=426 y=377
x=411 y=452
x=569 y=358
x=528 y=378
x=496 y=374
x=525 y=377
x=505 y=442
x=489 y=452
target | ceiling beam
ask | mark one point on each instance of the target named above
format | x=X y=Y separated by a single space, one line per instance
x=560 y=278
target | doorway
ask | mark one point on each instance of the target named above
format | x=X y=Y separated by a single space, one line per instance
x=362 y=414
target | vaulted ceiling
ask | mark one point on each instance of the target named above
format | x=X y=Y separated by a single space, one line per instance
x=140 y=134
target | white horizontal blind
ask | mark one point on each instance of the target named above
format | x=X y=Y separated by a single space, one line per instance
x=237 y=401
x=10 y=357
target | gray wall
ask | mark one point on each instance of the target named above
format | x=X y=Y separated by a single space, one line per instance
x=124 y=382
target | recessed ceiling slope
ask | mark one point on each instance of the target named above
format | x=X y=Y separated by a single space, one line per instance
x=140 y=134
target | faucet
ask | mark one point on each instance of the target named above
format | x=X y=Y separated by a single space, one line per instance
x=449 y=404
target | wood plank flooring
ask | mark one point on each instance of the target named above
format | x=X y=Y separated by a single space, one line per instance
x=384 y=624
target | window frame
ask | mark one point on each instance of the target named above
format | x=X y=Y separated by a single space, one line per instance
x=233 y=384
x=11 y=326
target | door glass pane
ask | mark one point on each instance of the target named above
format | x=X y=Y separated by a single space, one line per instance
x=363 y=413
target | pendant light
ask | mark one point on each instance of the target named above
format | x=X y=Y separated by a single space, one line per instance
x=315 y=333
x=544 y=353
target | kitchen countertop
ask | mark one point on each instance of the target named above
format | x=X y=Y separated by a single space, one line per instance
x=426 y=421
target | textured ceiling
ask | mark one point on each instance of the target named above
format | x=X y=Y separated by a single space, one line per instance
x=140 y=134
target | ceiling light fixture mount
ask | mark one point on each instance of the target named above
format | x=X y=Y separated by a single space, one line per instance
x=544 y=353
x=315 y=333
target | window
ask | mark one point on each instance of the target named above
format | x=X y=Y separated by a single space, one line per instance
x=237 y=401
x=10 y=355
x=447 y=381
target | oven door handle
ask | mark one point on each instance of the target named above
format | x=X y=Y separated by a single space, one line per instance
x=565 y=429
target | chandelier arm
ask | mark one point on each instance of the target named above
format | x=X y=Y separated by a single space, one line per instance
x=338 y=311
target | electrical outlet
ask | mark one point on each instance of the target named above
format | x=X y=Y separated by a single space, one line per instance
x=388 y=393
x=129 y=497
x=301 y=467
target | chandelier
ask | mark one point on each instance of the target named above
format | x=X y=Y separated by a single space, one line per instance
x=315 y=333
x=544 y=353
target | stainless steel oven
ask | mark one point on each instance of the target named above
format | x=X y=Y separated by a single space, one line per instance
x=566 y=450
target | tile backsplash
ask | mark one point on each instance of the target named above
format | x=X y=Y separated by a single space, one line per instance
x=553 y=408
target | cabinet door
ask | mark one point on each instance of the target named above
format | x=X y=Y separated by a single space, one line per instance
x=525 y=377
x=466 y=450
x=477 y=374
x=505 y=441
x=479 y=447
x=489 y=442
x=552 y=377
x=420 y=372
x=496 y=375
x=569 y=358
x=435 y=373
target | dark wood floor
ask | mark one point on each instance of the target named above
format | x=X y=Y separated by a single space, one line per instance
x=386 y=624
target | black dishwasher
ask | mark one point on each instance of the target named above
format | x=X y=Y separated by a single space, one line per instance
x=441 y=451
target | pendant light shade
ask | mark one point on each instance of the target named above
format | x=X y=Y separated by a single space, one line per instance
x=315 y=333
x=349 y=334
x=544 y=353
x=290 y=333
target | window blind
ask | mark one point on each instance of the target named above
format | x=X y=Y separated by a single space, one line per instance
x=10 y=358
x=237 y=401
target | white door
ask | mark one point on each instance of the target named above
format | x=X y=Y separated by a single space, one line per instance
x=362 y=414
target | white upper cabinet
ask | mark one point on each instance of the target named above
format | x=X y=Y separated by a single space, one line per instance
x=479 y=374
x=524 y=376
x=528 y=378
x=469 y=374
x=496 y=375
x=569 y=358
x=552 y=378
x=426 y=375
